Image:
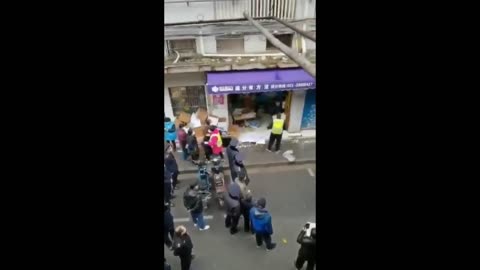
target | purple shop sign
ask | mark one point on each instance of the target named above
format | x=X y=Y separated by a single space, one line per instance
x=259 y=81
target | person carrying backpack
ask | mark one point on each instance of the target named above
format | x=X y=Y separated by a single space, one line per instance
x=170 y=133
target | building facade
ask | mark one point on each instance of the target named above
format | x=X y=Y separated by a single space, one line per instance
x=219 y=64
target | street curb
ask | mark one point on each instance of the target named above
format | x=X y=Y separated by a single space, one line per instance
x=263 y=165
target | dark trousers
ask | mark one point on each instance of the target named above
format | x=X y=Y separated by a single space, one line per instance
x=167 y=240
x=246 y=219
x=208 y=151
x=183 y=144
x=173 y=144
x=260 y=237
x=231 y=222
x=167 y=192
x=175 y=179
x=277 y=138
x=185 y=262
x=301 y=260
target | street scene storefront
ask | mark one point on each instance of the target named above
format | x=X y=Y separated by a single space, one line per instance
x=249 y=99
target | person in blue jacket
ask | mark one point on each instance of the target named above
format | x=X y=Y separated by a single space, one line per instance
x=170 y=133
x=262 y=224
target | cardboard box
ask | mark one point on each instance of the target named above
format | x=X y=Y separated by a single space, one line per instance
x=213 y=120
x=184 y=117
x=202 y=114
x=177 y=123
x=234 y=131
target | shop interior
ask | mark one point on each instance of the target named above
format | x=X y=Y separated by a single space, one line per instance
x=253 y=112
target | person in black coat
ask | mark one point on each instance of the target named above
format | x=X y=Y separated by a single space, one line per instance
x=232 y=203
x=167 y=186
x=168 y=226
x=172 y=166
x=239 y=169
x=193 y=202
x=232 y=150
x=307 y=250
x=182 y=247
x=246 y=204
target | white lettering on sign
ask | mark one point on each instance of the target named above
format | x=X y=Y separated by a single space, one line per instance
x=272 y=86
x=215 y=89
x=250 y=87
x=289 y=85
x=303 y=84
x=244 y=87
x=226 y=88
x=259 y=87
x=237 y=88
x=266 y=86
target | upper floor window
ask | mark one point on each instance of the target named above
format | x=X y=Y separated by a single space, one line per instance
x=184 y=46
x=286 y=39
x=230 y=44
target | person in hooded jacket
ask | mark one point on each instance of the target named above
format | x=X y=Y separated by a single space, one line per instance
x=239 y=170
x=232 y=203
x=192 y=146
x=232 y=150
x=262 y=224
x=168 y=226
x=307 y=250
x=193 y=202
x=170 y=133
x=167 y=185
x=182 y=247
x=172 y=166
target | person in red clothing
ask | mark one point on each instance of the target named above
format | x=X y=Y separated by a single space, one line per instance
x=215 y=141
x=182 y=138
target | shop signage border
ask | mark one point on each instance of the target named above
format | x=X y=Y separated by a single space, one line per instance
x=264 y=87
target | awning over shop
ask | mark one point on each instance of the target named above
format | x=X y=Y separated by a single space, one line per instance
x=241 y=82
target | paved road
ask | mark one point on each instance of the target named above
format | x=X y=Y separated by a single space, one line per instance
x=290 y=194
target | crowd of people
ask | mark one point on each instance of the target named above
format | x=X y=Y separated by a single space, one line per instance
x=239 y=200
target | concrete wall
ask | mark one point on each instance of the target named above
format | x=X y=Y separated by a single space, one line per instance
x=209 y=44
x=296 y=111
x=255 y=43
x=167 y=104
x=181 y=12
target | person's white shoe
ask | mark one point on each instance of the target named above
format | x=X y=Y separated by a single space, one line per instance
x=195 y=224
x=269 y=150
x=206 y=228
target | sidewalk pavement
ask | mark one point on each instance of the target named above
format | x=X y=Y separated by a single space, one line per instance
x=257 y=156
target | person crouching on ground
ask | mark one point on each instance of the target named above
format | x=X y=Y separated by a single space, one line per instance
x=170 y=133
x=307 y=249
x=193 y=202
x=232 y=203
x=262 y=224
x=182 y=247
x=277 y=126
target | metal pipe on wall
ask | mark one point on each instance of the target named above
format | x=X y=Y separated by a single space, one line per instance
x=297 y=58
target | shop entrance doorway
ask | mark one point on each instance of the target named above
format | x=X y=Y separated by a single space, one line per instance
x=254 y=112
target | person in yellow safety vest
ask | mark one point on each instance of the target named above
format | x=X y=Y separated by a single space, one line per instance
x=277 y=126
x=216 y=142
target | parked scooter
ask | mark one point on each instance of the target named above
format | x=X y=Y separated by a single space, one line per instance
x=204 y=185
x=218 y=179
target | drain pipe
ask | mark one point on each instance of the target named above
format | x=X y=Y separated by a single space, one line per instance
x=295 y=56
